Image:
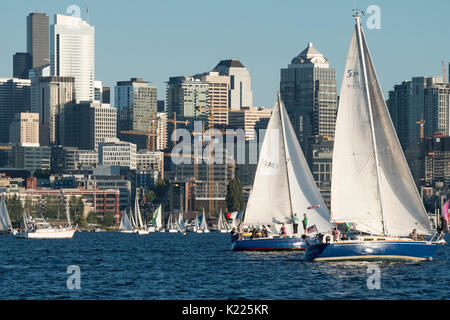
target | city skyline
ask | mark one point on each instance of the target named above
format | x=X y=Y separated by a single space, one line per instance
x=402 y=40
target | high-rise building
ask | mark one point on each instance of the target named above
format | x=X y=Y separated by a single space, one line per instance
x=34 y=75
x=21 y=65
x=218 y=94
x=420 y=107
x=187 y=97
x=161 y=105
x=24 y=130
x=98 y=91
x=86 y=124
x=240 y=94
x=161 y=131
x=106 y=95
x=398 y=104
x=136 y=103
x=247 y=118
x=38 y=39
x=14 y=98
x=308 y=89
x=72 y=54
x=52 y=95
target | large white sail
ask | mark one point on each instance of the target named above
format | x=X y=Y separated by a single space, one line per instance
x=5 y=222
x=157 y=218
x=303 y=188
x=137 y=212
x=269 y=201
x=204 y=224
x=371 y=185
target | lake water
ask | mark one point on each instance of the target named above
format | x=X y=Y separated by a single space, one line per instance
x=200 y=266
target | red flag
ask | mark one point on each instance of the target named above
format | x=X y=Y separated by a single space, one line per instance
x=314 y=207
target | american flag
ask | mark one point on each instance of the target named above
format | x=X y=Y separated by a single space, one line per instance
x=311 y=229
x=314 y=207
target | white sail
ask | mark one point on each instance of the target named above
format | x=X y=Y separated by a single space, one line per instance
x=220 y=222
x=204 y=225
x=302 y=187
x=269 y=201
x=137 y=212
x=133 y=221
x=5 y=221
x=371 y=185
x=125 y=223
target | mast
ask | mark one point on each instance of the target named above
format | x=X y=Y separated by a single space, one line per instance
x=372 y=127
x=285 y=154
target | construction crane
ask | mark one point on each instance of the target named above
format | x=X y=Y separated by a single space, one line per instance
x=5 y=147
x=421 y=124
x=149 y=134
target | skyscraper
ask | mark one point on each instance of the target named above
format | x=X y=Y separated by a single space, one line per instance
x=53 y=94
x=308 y=89
x=38 y=38
x=72 y=54
x=241 y=94
x=21 y=65
x=188 y=98
x=14 y=98
x=24 y=129
x=136 y=102
x=420 y=106
x=218 y=94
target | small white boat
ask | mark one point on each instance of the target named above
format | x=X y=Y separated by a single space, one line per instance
x=204 y=225
x=171 y=228
x=125 y=224
x=222 y=225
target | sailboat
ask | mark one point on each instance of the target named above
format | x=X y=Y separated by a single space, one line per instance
x=283 y=187
x=204 y=225
x=156 y=220
x=222 y=225
x=125 y=224
x=372 y=188
x=139 y=228
x=180 y=224
x=5 y=221
x=171 y=227
x=41 y=229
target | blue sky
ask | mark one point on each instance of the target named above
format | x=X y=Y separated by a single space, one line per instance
x=159 y=39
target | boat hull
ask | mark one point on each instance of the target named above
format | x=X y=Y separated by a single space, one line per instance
x=372 y=250
x=269 y=244
x=64 y=234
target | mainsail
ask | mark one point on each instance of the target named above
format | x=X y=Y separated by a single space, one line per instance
x=156 y=220
x=5 y=222
x=372 y=186
x=137 y=213
x=283 y=184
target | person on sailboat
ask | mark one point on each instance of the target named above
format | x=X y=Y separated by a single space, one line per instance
x=264 y=232
x=283 y=232
x=295 y=223
x=336 y=234
x=413 y=234
x=305 y=222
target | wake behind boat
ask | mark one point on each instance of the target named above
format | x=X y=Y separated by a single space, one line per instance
x=283 y=187
x=372 y=187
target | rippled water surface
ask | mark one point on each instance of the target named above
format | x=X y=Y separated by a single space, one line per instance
x=200 y=266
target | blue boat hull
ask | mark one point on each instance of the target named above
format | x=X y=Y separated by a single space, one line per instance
x=372 y=250
x=271 y=244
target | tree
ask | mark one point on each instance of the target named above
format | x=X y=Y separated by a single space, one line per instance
x=15 y=209
x=81 y=221
x=108 y=219
x=150 y=196
x=92 y=218
x=235 y=198
x=41 y=174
